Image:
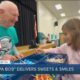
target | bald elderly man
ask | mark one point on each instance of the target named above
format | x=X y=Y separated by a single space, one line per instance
x=8 y=38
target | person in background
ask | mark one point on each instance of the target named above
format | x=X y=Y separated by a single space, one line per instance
x=48 y=40
x=71 y=30
x=8 y=37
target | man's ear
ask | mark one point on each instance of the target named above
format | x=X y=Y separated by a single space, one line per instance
x=1 y=11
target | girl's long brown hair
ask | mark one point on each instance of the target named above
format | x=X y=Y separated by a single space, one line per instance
x=73 y=26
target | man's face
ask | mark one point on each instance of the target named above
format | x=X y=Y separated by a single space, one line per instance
x=10 y=17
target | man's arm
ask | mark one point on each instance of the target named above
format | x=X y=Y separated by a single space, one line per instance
x=17 y=54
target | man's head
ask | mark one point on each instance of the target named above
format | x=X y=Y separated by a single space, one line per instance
x=8 y=13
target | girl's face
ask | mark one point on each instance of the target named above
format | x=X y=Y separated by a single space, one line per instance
x=67 y=36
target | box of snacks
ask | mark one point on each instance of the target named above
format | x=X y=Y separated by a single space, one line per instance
x=37 y=59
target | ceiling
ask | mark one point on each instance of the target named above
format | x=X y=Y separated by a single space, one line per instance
x=70 y=7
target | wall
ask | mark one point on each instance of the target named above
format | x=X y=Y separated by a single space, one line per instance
x=58 y=29
x=45 y=19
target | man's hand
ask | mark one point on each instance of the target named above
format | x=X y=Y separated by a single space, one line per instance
x=8 y=57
